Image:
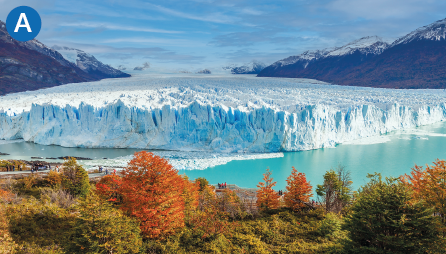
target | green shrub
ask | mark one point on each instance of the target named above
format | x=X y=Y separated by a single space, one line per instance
x=331 y=226
x=32 y=222
x=29 y=186
x=29 y=248
x=75 y=178
x=384 y=219
x=100 y=228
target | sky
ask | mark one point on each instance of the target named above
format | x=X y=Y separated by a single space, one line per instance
x=193 y=35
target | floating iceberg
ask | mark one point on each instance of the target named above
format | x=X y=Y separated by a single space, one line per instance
x=213 y=113
x=186 y=160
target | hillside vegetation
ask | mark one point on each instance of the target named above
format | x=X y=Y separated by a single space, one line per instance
x=150 y=208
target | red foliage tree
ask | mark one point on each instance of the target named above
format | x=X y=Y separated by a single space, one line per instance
x=152 y=192
x=108 y=188
x=267 y=198
x=298 y=190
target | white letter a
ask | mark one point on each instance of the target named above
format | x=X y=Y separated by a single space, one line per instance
x=19 y=24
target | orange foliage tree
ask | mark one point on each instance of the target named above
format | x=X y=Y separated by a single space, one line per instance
x=298 y=190
x=54 y=179
x=190 y=196
x=6 y=196
x=108 y=188
x=267 y=198
x=152 y=191
x=429 y=184
x=211 y=218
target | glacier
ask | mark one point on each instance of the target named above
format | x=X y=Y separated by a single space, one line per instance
x=215 y=113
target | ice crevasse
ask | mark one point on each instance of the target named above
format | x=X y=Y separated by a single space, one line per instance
x=219 y=114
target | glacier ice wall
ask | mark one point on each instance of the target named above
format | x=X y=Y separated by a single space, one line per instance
x=209 y=127
x=213 y=113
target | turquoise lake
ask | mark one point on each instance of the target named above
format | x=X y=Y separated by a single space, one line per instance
x=392 y=158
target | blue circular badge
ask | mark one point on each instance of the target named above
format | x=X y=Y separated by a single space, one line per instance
x=23 y=23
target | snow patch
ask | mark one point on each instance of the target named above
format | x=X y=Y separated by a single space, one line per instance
x=70 y=55
x=367 y=45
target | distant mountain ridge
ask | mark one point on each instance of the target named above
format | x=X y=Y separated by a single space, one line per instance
x=322 y=64
x=413 y=61
x=434 y=32
x=89 y=63
x=367 y=46
x=31 y=65
x=253 y=67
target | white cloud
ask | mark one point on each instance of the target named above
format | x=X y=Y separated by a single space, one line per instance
x=163 y=41
x=251 y=11
x=214 y=17
x=379 y=9
x=117 y=27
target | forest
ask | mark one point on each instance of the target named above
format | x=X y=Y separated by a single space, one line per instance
x=150 y=208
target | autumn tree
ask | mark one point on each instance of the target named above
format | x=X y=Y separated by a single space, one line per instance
x=100 y=228
x=190 y=196
x=213 y=212
x=298 y=190
x=75 y=178
x=108 y=188
x=202 y=183
x=6 y=194
x=152 y=191
x=29 y=181
x=335 y=192
x=429 y=185
x=54 y=179
x=267 y=198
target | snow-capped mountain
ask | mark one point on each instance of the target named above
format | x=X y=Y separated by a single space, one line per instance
x=303 y=58
x=145 y=66
x=314 y=64
x=89 y=63
x=42 y=48
x=416 y=60
x=253 y=67
x=205 y=71
x=32 y=65
x=370 y=45
x=435 y=32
